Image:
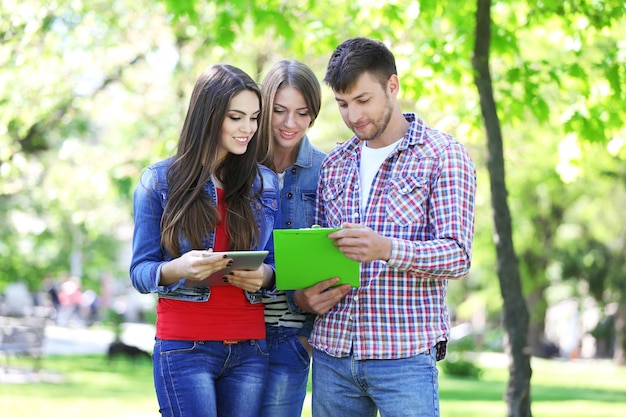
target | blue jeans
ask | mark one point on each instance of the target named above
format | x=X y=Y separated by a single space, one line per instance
x=396 y=387
x=288 y=374
x=209 y=379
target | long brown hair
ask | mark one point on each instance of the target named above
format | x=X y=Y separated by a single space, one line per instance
x=190 y=212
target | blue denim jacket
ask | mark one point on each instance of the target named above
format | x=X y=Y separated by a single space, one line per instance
x=149 y=201
x=297 y=203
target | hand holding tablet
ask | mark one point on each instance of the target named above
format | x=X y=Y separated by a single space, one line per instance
x=245 y=260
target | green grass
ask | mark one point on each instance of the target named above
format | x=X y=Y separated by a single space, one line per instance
x=92 y=387
x=572 y=389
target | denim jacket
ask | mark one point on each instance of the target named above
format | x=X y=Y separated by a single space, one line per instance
x=150 y=198
x=297 y=203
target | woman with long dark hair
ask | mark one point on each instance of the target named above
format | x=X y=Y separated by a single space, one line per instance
x=210 y=355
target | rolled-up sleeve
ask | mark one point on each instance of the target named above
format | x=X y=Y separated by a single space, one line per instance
x=148 y=256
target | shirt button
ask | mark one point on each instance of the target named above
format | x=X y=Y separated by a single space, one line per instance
x=288 y=223
x=293 y=170
x=289 y=195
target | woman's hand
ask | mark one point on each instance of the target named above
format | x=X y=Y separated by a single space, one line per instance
x=194 y=265
x=252 y=281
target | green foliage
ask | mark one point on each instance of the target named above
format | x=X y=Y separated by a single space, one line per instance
x=458 y=362
x=595 y=263
x=601 y=13
x=180 y=8
x=92 y=92
x=458 y=366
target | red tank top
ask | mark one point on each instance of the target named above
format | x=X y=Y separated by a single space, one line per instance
x=226 y=315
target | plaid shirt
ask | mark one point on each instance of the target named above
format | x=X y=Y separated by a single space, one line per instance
x=423 y=198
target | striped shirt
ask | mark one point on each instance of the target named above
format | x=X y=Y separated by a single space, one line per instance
x=277 y=312
x=423 y=198
x=297 y=203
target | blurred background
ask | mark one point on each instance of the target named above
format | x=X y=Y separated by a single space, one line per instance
x=91 y=92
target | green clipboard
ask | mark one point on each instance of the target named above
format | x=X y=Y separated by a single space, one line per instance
x=305 y=257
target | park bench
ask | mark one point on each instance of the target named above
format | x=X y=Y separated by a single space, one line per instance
x=22 y=336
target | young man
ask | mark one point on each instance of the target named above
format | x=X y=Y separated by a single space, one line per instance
x=404 y=195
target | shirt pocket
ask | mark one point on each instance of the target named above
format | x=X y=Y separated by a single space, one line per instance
x=308 y=206
x=269 y=208
x=332 y=198
x=407 y=201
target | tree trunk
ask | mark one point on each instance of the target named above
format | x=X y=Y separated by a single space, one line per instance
x=517 y=394
x=619 y=349
x=537 y=308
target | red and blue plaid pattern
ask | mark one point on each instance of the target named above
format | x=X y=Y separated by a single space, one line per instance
x=423 y=198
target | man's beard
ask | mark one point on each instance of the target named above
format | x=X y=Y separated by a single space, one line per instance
x=380 y=125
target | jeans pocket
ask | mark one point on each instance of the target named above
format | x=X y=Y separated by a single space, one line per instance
x=172 y=347
x=300 y=351
x=261 y=347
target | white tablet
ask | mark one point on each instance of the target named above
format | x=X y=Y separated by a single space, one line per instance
x=245 y=260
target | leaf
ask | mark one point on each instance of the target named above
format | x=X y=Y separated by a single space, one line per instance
x=182 y=8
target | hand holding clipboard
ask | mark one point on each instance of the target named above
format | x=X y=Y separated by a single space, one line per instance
x=305 y=257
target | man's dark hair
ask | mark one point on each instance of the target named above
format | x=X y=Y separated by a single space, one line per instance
x=356 y=56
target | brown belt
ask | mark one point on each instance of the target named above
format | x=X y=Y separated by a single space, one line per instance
x=234 y=342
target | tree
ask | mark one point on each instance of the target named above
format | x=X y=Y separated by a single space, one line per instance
x=103 y=87
x=63 y=182
x=515 y=311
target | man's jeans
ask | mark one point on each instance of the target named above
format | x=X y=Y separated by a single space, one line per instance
x=345 y=387
x=288 y=376
x=208 y=379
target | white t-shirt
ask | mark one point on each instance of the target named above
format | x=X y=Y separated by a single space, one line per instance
x=371 y=160
x=281 y=179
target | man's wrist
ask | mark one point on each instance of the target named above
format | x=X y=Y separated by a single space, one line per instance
x=296 y=305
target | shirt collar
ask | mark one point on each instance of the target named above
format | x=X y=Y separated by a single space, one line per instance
x=414 y=136
x=304 y=158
